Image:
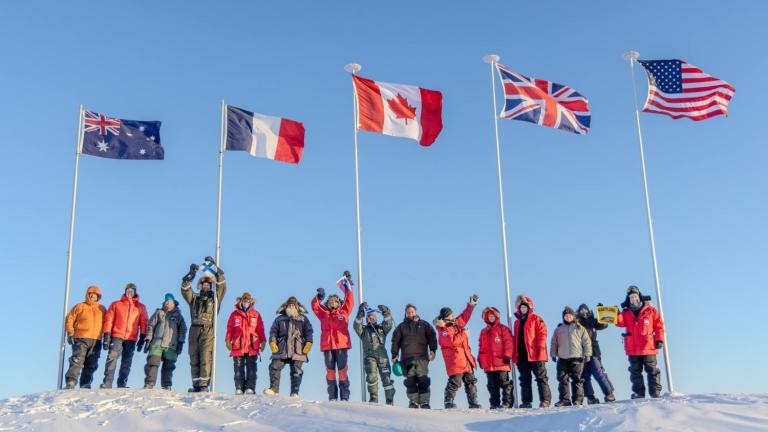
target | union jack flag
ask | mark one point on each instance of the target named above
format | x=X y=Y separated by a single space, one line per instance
x=100 y=122
x=543 y=102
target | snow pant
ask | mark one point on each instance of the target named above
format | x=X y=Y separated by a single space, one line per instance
x=123 y=350
x=245 y=372
x=636 y=366
x=539 y=370
x=470 y=386
x=201 y=340
x=338 y=386
x=85 y=358
x=499 y=383
x=159 y=355
x=277 y=366
x=572 y=369
x=375 y=366
x=417 y=381
x=594 y=368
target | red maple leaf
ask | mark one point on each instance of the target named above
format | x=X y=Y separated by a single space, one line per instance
x=399 y=105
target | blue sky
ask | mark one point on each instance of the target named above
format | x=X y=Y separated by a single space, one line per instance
x=431 y=233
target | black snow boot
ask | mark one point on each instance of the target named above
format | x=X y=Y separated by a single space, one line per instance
x=425 y=406
x=593 y=401
x=563 y=403
x=374 y=398
x=413 y=405
x=637 y=396
x=449 y=404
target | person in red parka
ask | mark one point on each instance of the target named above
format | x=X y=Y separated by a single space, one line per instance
x=245 y=341
x=124 y=323
x=642 y=341
x=334 y=335
x=530 y=355
x=459 y=362
x=495 y=358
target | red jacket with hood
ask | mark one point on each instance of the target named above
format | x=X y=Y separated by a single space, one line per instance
x=496 y=344
x=643 y=331
x=334 y=324
x=535 y=332
x=245 y=330
x=126 y=318
x=454 y=343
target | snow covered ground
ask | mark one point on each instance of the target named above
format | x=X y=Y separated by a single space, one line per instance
x=131 y=410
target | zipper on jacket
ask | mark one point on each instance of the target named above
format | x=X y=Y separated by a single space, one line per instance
x=127 y=319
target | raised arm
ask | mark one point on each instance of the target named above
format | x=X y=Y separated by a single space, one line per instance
x=463 y=319
x=221 y=288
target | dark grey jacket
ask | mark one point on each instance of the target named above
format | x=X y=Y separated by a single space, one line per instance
x=166 y=329
x=290 y=335
x=414 y=340
x=373 y=336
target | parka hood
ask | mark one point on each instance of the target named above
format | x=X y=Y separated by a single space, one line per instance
x=491 y=311
x=92 y=289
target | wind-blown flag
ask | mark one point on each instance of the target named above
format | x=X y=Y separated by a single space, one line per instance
x=543 y=102
x=263 y=136
x=120 y=139
x=398 y=110
x=681 y=90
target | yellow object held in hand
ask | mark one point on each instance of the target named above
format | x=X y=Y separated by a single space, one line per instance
x=307 y=347
x=273 y=346
x=228 y=344
x=607 y=314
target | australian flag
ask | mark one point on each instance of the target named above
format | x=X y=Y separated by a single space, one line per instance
x=121 y=139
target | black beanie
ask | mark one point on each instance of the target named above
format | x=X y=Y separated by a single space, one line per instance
x=444 y=312
x=568 y=310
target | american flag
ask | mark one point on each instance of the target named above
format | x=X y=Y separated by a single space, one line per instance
x=543 y=102
x=681 y=90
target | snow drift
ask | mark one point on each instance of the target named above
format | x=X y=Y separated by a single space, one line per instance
x=157 y=410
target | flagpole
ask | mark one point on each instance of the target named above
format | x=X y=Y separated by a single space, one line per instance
x=632 y=56
x=218 y=237
x=492 y=59
x=63 y=346
x=353 y=68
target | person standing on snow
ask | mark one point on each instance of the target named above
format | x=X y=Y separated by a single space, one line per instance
x=245 y=341
x=642 y=341
x=166 y=332
x=495 y=357
x=459 y=362
x=373 y=336
x=570 y=349
x=416 y=342
x=334 y=335
x=201 y=335
x=124 y=323
x=530 y=355
x=594 y=367
x=290 y=340
x=84 y=329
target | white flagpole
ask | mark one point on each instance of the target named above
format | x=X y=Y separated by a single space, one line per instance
x=492 y=59
x=222 y=144
x=632 y=56
x=78 y=150
x=354 y=68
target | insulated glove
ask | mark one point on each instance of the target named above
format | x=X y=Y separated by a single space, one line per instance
x=179 y=347
x=273 y=347
x=70 y=340
x=105 y=341
x=147 y=346
x=361 y=310
x=587 y=359
x=228 y=343
x=307 y=347
x=320 y=294
x=659 y=344
x=348 y=276
x=191 y=274
x=554 y=359
x=473 y=300
x=210 y=260
x=383 y=309
x=432 y=355
x=261 y=347
x=140 y=343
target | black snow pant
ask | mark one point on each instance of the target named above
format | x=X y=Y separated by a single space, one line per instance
x=201 y=340
x=168 y=360
x=338 y=385
x=636 y=366
x=539 y=370
x=417 y=381
x=277 y=366
x=123 y=350
x=594 y=368
x=375 y=366
x=245 y=372
x=570 y=369
x=470 y=386
x=85 y=358
x=500 y=388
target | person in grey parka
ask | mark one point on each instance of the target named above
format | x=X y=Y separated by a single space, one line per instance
x=290 y=340
x=166 y=332
x=571 y=347
x=373 y=335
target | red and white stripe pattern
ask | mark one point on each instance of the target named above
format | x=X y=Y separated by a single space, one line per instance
x=679 y=89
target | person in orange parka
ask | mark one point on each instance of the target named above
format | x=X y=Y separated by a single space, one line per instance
x=530 y=355
x=459 y=362
x=495 y=358
x=642 y=341
x=124 y=323
x=334 y=335
x=245 y=340
x=83 y=326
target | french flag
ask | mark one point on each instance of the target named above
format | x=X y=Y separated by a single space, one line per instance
x=399 y=110
x=263 y=136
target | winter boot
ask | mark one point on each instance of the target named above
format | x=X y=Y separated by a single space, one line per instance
x=449 y=404
x=148 y=386
x=505 y=406
x=295 y=395
x=544 y=404
x=374 y=398
x=637 y=396
x=238 y=392
x=269 y=391
x=610 y=397
x=249 y=391
x=425 y=406
x=70 y=385
x=474 y=405
x=85 y=386
x=563 y=403
x=578 y=402
x=194 y=389
x=413 y=405
x=593 y=401
x=526 y=405
x=105 y=386
x=167 y=388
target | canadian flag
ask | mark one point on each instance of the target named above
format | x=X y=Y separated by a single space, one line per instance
x=399 y=110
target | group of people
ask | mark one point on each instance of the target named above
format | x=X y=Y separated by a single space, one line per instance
x=124 y=328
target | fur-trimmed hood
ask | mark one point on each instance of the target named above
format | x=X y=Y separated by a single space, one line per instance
x=281 y=309
x=488 y=311
x=646 y=300
x=520 y=299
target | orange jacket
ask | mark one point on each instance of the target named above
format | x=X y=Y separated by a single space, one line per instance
x=334 y=325
x=126 y=318
x=643 y=331
x=454 y=343
x=85 y=320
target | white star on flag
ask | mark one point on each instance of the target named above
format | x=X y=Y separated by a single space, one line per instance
x=142 y=152
x=103 y=147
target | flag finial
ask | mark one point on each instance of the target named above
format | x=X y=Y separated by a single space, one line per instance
x=491 y=58
x=353 y=68
x=631 y=55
